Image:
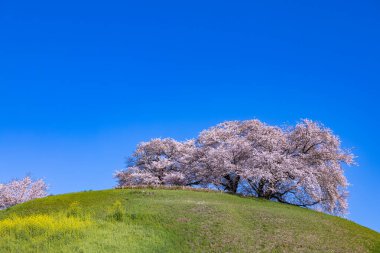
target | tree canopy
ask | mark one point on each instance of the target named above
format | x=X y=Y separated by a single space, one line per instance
x=299 y=165
x=22 y=190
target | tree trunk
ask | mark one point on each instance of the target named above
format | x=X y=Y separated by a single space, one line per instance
x=232 y=183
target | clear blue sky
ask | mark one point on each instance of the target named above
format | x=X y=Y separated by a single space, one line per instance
x=82 y=82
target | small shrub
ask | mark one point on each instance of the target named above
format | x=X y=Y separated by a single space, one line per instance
x=116 y=212
x=74 y=210
x=41 y=226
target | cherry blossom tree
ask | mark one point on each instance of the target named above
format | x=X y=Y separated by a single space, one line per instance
x=225 y=154
x=300 y=165
x=317 y=153
x=19 y=191
x=159 y=162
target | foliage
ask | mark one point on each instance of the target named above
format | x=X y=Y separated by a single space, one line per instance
x=75 y=210
x=117 y=211
x=19 y=191
x=40 y=225
x=299 y=165
x=39 y=232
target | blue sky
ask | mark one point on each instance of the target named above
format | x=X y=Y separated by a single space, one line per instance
x=81 y=83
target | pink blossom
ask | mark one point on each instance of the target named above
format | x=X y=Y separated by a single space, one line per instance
x=19 y=191
x=300 y=165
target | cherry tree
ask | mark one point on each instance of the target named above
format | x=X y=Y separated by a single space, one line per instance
x=19 y=191
x=317 y=153
x=159 y=162
x=225 y=154
x=300 y=165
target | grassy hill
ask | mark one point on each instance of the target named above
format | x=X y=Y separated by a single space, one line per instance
x=147 y=220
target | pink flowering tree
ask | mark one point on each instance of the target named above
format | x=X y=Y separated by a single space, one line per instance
x=19 y=191
x=159 y=162
x=225 y=154
x=317 y=157
x=300 y=165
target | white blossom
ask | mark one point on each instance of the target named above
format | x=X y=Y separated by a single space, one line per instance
x=19 y=191
x=300 y=165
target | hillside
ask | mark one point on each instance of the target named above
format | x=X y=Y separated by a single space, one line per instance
x=147 y=220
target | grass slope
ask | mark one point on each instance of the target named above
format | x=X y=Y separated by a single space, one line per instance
x=175 y=221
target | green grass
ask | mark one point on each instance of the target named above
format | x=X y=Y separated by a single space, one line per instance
x=152 y=220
